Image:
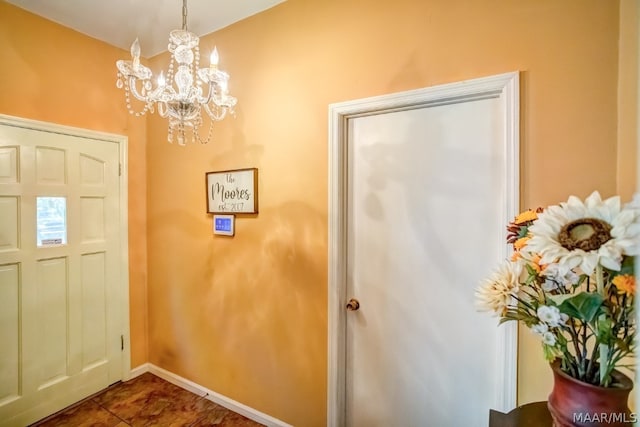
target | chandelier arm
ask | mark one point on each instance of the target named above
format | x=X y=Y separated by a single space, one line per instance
x=162 y=108
x=223 y=113
x=206 y=99
x=133 y=86
x=210 y=113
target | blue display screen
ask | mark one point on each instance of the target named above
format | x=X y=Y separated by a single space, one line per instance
x=223 y=224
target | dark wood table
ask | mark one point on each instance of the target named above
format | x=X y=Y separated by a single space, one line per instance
x=529 y=415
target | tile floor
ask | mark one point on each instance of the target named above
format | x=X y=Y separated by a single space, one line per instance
x=146 y=401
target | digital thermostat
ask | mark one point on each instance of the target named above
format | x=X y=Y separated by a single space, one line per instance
x=223 y=224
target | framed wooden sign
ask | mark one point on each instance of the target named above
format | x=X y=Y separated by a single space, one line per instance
x=233 y=191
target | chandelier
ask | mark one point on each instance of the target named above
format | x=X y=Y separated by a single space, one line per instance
x=186 y=90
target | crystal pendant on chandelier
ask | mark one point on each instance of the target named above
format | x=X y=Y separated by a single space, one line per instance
x=186 y=90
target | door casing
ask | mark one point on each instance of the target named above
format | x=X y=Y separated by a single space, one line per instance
x=504 y=86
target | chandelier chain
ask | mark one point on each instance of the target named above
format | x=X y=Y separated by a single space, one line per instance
x=184 y=15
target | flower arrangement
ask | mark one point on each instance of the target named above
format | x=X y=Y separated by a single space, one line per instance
x=571 y=281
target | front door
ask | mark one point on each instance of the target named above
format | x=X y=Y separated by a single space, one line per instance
x=424 y=214
x=60 y=271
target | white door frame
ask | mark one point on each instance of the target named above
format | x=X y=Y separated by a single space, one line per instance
x=122 y=141
x=504 y=86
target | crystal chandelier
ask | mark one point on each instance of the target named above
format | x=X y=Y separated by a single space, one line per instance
x=184 y=92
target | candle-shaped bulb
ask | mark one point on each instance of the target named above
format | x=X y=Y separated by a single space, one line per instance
x=135 y=49
x=135 y=53
x=161 y=81
x=214 y=58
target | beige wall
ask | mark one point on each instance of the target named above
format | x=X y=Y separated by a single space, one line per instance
x=247 y=316
x=628 y=98
x=53 y=74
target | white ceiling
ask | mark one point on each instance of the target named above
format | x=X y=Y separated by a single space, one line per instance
x=119 y=22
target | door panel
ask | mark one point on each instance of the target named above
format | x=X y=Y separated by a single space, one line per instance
x=92 y=212
x=91 y=171
x=427 y=192
x=8 y=165
x=9 y=223
x=59 y=271
x=52 y=320
x=94 y=325
x=51 y=166
x=9 y=327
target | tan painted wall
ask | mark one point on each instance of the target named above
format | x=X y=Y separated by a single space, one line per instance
x=628 y=98
x=53 y=74
x=246 y=316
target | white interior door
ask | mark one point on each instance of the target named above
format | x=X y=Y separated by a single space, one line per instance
x=60 y=270
x=428 y=192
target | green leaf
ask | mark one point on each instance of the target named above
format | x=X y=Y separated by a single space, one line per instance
x=550 y=352
x=518 y=315
x=605 y=333
x=559 y=299
x=562 y=341
x=584 y=306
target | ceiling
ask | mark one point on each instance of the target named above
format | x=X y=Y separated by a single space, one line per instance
x=119 y=22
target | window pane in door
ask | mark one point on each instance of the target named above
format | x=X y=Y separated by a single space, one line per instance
x=51 y=221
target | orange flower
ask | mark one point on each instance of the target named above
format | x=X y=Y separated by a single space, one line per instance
x=625 y=284
x=519 y=227
x=526 y=216
x=532 y=260
x=520 y=243
x=535 y=263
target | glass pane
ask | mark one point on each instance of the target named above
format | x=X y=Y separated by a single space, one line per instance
x=51 y=219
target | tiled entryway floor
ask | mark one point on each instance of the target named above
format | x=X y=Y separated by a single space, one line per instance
x=146 y=401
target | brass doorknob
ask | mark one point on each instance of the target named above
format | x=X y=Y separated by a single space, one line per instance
x=353 y=305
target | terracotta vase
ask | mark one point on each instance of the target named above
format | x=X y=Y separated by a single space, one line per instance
x=574 y=403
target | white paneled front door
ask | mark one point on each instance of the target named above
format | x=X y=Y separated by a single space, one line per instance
x=61 y=311
x=423 y=185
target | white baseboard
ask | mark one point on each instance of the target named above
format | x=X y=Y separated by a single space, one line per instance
x=217 y=398
x=139 y=370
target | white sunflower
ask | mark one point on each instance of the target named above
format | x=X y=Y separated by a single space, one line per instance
x=585 y=234
x=497 y=291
